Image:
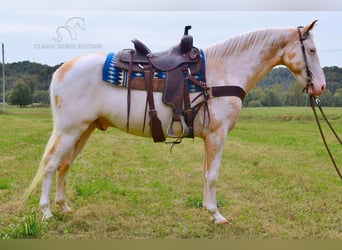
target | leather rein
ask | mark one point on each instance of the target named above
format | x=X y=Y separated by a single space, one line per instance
x=314 y=100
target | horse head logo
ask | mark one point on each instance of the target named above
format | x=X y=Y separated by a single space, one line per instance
x=70 y=28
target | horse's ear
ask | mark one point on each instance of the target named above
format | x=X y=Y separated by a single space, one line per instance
x=309 y=27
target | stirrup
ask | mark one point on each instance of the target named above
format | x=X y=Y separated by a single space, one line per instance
x=185 y=129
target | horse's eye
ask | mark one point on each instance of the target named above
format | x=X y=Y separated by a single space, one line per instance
x=312 y=51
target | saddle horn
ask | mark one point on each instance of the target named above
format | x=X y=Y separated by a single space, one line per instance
x=186 y=29
x=187 y=40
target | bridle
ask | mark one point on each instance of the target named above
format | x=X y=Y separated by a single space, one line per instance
x=314 y=100
x=308 y=72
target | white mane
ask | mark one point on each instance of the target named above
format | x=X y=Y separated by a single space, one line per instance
x=250 y=40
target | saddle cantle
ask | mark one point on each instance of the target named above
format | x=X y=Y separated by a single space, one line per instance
x=178 y=63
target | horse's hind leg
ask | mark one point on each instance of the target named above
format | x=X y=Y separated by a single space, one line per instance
x=64 y=167
x=60 y=185
x=61 y=146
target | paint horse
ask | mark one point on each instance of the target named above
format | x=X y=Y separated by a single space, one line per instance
x=241 y=61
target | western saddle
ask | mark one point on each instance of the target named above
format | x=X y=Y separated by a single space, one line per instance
x=179 y=63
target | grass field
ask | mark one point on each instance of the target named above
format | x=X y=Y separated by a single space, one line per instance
x=276 y=181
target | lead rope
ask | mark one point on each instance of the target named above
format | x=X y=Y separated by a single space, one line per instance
x=314 y=100
x=318 y=102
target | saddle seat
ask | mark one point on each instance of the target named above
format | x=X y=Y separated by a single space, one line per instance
x=176 y=62
x=184 y=52
x=185 y=45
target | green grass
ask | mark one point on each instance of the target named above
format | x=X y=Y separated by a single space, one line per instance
x=29 y=227
x=276 y=181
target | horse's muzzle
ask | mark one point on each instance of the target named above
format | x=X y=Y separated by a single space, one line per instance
x=315 y=89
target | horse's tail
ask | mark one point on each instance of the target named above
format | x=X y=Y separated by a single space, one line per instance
x=49 y=146
x=41 y=169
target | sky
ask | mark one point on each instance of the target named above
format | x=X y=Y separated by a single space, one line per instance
x=30 y=32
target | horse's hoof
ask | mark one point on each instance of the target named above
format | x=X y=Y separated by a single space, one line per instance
x=47 y=216
x=226 y=222
x=221 y=221
x=66 y=209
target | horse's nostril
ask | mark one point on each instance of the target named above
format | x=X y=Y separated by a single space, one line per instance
x=323 y=87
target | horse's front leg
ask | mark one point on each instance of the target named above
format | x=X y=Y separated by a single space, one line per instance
x=213 y=143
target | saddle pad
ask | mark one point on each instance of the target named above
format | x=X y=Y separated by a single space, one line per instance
x=113 y=75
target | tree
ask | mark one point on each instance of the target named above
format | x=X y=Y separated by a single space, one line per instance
x=326 y=98
x=41 y=96
x=31 y=81
x=338 y=98
x=333 y=78
x=254 y=104
x=295 y=96
x=20 y=94
x=274 y=96
x=256 y=94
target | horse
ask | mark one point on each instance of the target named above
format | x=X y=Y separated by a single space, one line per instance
x=240 y=61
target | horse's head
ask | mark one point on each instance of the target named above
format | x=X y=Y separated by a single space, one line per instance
x=300 y=56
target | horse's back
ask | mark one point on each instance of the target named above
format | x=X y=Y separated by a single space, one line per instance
x=79 y=66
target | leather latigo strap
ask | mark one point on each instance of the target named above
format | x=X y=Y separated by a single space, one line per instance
x=218 y=91
x=155 y=124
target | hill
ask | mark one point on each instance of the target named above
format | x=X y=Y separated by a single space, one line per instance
x=277 y=88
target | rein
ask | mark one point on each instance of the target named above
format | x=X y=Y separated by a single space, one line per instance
x=314 y=100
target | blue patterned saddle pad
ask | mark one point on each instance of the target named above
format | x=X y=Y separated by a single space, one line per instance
x=113 y=75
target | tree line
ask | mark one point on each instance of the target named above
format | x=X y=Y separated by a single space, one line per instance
x=280 y=88
x=28 y=82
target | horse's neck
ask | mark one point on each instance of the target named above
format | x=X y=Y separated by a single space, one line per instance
x=244 y=60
